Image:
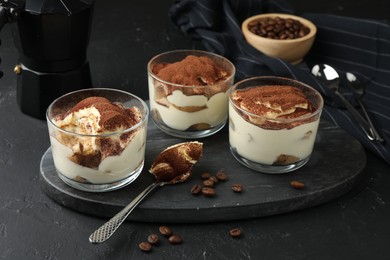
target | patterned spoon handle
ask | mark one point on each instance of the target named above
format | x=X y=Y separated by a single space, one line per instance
x=105 y=232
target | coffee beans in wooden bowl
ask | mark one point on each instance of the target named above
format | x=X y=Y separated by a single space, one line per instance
x=283 y=36
x=279 y=28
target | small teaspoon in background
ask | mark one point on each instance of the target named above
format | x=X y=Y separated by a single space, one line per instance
x=358 y=90
x=331 y=79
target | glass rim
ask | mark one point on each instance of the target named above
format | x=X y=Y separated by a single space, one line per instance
x=280 y=120
x=114 y=133
x=232 y=75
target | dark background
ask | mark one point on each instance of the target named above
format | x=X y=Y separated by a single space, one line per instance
x=137 y=32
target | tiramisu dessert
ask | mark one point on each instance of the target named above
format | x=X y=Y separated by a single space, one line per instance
x=174 y=164
x=94 y=142
x=191 y=93
x=272 y=125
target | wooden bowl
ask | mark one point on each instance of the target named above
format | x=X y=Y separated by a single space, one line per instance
x=290 y=50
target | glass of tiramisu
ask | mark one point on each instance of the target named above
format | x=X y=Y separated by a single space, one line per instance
x=98 y=138
x=188 y=92
x=273 y=123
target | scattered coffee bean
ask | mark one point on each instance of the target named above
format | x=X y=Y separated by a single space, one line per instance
x=165 y=231
x=213 y=179
x=208 y=192
x=196 y=189
x=175 y=239
x=208 y=183
x=235 y=232
x=145 y=246
x=221 y=176
x=153 y=239
x=205 y=175
x=278 y=28
x=237 y=187
x=297 y=185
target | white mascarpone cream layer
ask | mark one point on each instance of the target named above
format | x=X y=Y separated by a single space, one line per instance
x=214 y=113
x=111 y=169
x=264 y=146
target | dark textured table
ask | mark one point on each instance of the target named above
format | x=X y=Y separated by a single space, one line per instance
x=125 y=35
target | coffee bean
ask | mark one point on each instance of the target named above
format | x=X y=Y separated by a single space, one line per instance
x=297 y=185
x=235 y=232
x=153 y=239
x=208 y=192
x=165 y=231
x=237 y=187
x=196 y=189
x=213 y=179
x=221 y=176
x=205 y=175
x=145 y=246
x=208 y=183
x=175 y=239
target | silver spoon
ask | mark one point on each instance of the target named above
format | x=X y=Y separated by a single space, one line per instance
x=357 y=88
x=331 y=79
x=105 y=232
x=165 y=173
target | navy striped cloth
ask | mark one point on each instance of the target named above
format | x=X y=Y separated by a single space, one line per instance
x=349 y=44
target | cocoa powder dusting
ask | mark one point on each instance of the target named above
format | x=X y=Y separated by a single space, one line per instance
x=113 y=117
x=191 y=71
x=261 y=100
x=280 y=101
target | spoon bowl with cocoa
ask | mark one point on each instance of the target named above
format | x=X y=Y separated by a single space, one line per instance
x=172 y=166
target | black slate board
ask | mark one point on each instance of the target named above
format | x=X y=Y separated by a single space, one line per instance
x=336 y=164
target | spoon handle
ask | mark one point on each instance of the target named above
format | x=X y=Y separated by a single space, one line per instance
x=372 y=127
x=104 y=232
x=362 y=122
